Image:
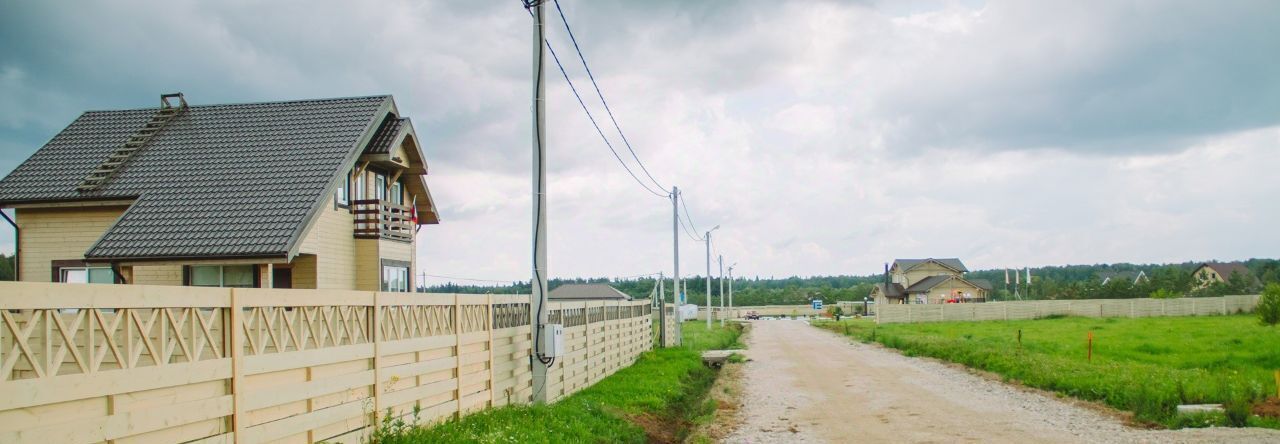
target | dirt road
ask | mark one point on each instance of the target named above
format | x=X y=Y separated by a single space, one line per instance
x=809 y=385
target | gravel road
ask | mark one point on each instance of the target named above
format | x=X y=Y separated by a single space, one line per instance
x=804 y=384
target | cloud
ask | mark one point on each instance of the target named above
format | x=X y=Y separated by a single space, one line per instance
x=825 y=137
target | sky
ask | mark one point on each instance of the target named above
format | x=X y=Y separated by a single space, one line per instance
x=823 y=137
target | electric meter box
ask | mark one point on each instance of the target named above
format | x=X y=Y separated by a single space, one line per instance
x=552 y=340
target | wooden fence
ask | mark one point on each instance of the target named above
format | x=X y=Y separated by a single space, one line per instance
x=127 y=363
x=1097 y=308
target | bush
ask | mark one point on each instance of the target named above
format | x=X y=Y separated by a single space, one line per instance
x=1269 y=305
x=1165 y=294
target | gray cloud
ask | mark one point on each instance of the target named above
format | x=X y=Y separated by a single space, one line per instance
x=826 y=137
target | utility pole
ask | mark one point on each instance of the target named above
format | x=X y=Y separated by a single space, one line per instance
x=720 y=259
x=675 y=278
x=707 y=239
x=538 y=289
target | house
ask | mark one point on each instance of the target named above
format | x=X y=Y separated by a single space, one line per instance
x=1211 y=272
x=1132 y=277
x=325 y=193
x=929 y=281
x=586 y=292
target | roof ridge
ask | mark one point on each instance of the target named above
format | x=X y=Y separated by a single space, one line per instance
x=272 y=102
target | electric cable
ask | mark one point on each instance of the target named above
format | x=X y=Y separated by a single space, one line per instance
x=600 y=94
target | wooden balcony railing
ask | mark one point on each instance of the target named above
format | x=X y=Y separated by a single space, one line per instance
x=377 y=219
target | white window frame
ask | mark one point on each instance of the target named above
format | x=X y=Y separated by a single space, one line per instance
x=379 y=186
x=395 y=278
x=62 y=274
x=397 y=193
x=341 y=194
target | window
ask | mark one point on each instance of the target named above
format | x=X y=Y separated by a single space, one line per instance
x=360 y=186
x=397 y=193
x=395 y=278
x=88 y=275
x=341 y=194
x=379 y=186
x=223 y=276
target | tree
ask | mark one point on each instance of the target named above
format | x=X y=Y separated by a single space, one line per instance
x=6 y=268
x=1269 y=305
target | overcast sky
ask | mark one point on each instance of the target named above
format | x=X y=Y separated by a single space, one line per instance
x=825 y=137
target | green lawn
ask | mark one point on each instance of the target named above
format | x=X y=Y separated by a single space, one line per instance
x=664 y=388
x=1147 y=366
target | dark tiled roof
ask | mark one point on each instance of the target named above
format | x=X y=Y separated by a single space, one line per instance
x=981 y=283
x=1225 y=269
x=578 y=292
x=894 y=290
x=927 y=283
x=219 y=180
x=907 y=264
x=386 y=135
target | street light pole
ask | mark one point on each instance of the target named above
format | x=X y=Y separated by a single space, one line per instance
x=721 y=260
x=707 y=239
x=731 y=286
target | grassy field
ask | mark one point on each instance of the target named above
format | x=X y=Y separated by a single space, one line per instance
x=659 y=396
x=1146 y=366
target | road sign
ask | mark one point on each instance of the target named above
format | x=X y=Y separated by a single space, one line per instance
x=817 y=304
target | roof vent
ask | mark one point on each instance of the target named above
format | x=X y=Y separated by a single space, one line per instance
x=104 y=172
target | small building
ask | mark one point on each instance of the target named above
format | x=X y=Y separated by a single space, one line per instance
x=929 y=281
x=325 y=193
x=1132 y=277
x=587 y=292
x=1211 y=272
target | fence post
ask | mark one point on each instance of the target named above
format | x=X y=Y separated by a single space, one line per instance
x=1193 y=308
x=1006 y=310
x=457 y=355
x=1131 y=302
x=1224 y=305
x=236 y=331
x=488 y=323
x=374 y=334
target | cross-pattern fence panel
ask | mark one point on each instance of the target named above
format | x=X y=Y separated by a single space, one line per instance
x=91 y=363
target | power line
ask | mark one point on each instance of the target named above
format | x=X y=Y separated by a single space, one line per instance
x=467 y=279
x=574 y=89
x=685 y=205
x=687 y=232
x=604 y=102
x=639 y=275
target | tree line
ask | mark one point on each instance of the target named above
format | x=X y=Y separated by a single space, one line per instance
x=1054 y=282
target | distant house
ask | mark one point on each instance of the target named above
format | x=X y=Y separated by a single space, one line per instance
x=587 y=292
x=325 y=193
x=1132 y=277
x=1211 y=272
x=929 y=281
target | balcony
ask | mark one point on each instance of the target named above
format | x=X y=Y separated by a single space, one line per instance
x=377 y=219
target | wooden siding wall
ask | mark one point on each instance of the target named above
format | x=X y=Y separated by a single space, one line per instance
x=333 y=241
x=1095 y=308
x=157 y=275
x=134 y=363
x=50 y=234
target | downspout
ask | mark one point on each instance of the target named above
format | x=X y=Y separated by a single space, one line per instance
x=17 y=246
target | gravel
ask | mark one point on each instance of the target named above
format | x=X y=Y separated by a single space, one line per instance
x=804 y=384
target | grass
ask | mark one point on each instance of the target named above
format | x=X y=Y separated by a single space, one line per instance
x=1146 y=366
x=660 y=396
